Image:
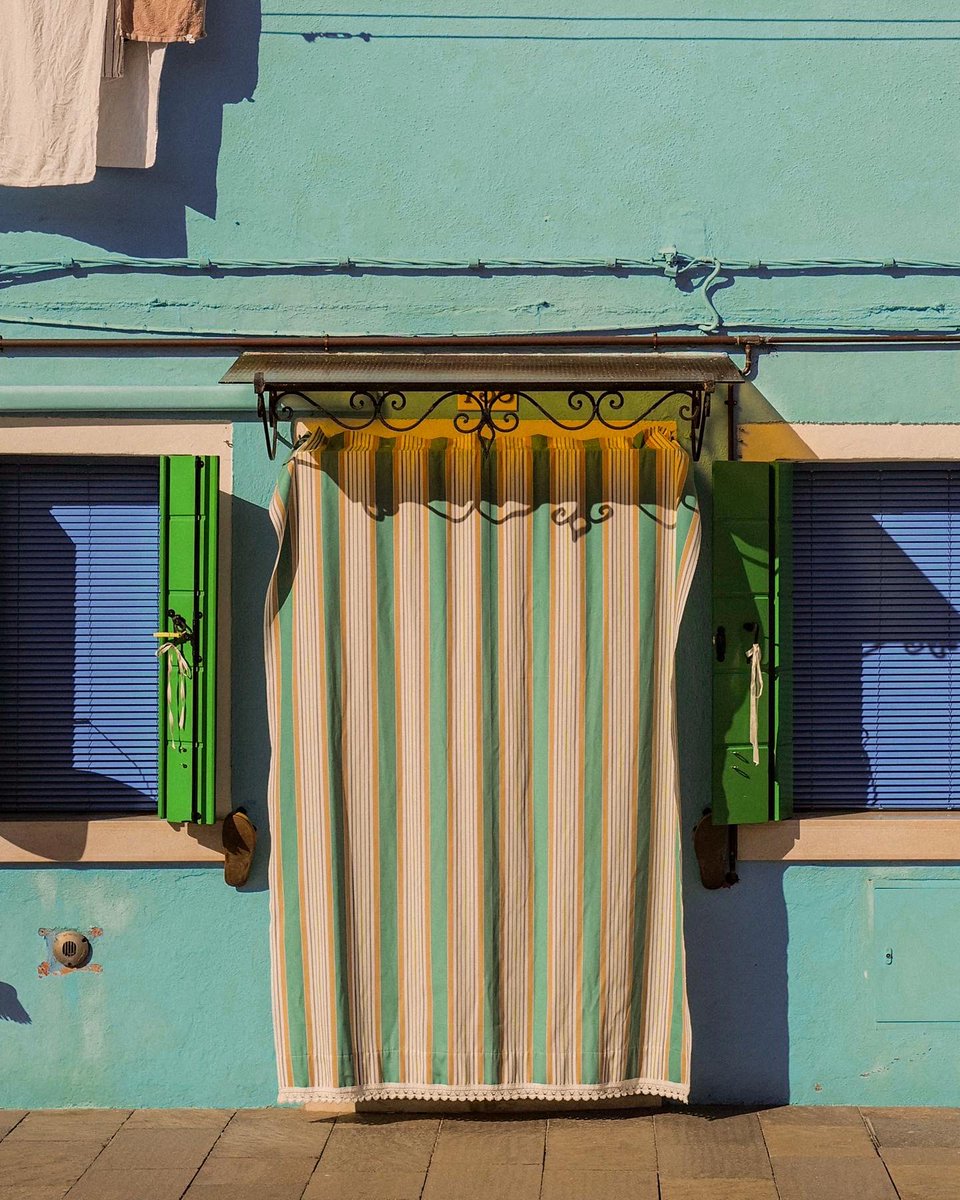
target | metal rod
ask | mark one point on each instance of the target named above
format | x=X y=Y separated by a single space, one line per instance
x=731 y=403
x=656 y=341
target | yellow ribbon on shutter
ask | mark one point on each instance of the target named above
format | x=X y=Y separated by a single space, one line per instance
x=174 y=654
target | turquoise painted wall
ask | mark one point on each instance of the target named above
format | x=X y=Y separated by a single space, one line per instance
x=180 y=1015
x=496 y=135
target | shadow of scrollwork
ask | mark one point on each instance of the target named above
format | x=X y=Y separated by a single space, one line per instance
x=580 y=523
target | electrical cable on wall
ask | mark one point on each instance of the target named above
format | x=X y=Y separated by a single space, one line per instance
x=700 y=273
x=670 y=261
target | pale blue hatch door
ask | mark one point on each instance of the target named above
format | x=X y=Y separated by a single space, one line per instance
x=915 y=963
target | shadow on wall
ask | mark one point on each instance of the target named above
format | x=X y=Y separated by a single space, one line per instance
x=254 y=553
x=736 y=938
x=10 y=1007
x=146 y=209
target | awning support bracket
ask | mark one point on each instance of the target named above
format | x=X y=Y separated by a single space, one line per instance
x=487 y=419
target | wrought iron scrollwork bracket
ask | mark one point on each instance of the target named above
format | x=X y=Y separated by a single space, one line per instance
x=487 y=419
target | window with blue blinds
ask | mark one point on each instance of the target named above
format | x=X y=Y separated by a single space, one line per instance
x=79 y=586
x=876 y=636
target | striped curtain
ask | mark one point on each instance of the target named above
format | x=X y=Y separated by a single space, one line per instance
x=475 y=868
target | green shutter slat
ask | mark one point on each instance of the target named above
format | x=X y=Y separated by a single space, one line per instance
x=208 y=631
x=189 y=509
x=744 y=558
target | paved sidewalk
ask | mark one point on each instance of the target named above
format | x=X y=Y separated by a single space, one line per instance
x=286 y=1154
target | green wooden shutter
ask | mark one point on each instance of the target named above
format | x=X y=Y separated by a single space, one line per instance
x=751 y=552
x=781 y=796
x=189 y=495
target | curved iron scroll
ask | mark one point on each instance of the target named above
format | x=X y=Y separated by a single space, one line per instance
x=486 y=421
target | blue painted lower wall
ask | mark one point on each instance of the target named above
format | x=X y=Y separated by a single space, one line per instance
x=784 y=973
x=179 y=1016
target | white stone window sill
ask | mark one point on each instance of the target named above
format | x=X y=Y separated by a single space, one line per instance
x=106 y=840
x=854 y=837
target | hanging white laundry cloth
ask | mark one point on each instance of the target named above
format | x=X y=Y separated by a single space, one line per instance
x=51 y=60
x=129 y=103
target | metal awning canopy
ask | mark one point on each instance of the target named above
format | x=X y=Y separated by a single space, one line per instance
x=340 y=370
x=377 y=384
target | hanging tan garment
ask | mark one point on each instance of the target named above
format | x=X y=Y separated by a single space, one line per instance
x=163 y=20
x=127 y=136
x=51 y=58
x=113 y=42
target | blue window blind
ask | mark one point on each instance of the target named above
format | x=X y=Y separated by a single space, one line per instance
x=79 y=586
x=876 y=588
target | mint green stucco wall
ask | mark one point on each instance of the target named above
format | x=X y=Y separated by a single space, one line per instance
x=810 y=137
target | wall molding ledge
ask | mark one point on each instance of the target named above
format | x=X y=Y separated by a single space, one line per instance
x=116 y=840
x=854 y=837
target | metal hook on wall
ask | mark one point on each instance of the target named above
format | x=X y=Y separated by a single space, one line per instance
x=267 y=412
x=271 y=412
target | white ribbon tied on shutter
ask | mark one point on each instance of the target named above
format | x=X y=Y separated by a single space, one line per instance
x=756 y=691
x=175 y=655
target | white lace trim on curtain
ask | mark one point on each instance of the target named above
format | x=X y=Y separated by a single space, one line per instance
x=523 y=1091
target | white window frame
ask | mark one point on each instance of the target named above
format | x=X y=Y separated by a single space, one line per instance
x=873 y=837
x=138 y=838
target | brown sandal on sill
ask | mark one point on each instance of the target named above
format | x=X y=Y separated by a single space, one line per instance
x=239 y=840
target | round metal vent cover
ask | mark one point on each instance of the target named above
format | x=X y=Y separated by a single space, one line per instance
x=72 y=949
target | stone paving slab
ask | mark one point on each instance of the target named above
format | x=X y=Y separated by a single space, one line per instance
x=719 y=1189
x=818 y=1141
x=292 y=1134
x=10 y=1118
x=921 y=1156
x=782 y=1153
x=478 y=1181
x=837 y=1178
x=184 y=1118
x=45 y=1164
x=254 y=1178
x=365 y=1185
x=931 y=1182
x=914 y=1126
x=486 y=1142
x=132 y=1183
x=817 y=1115
x=157 y=1148
x=711 y=1147
x=602 y=1143
x=561 y=1183
x=381 y=1144
x=19 y=1191
x=78 y=1124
